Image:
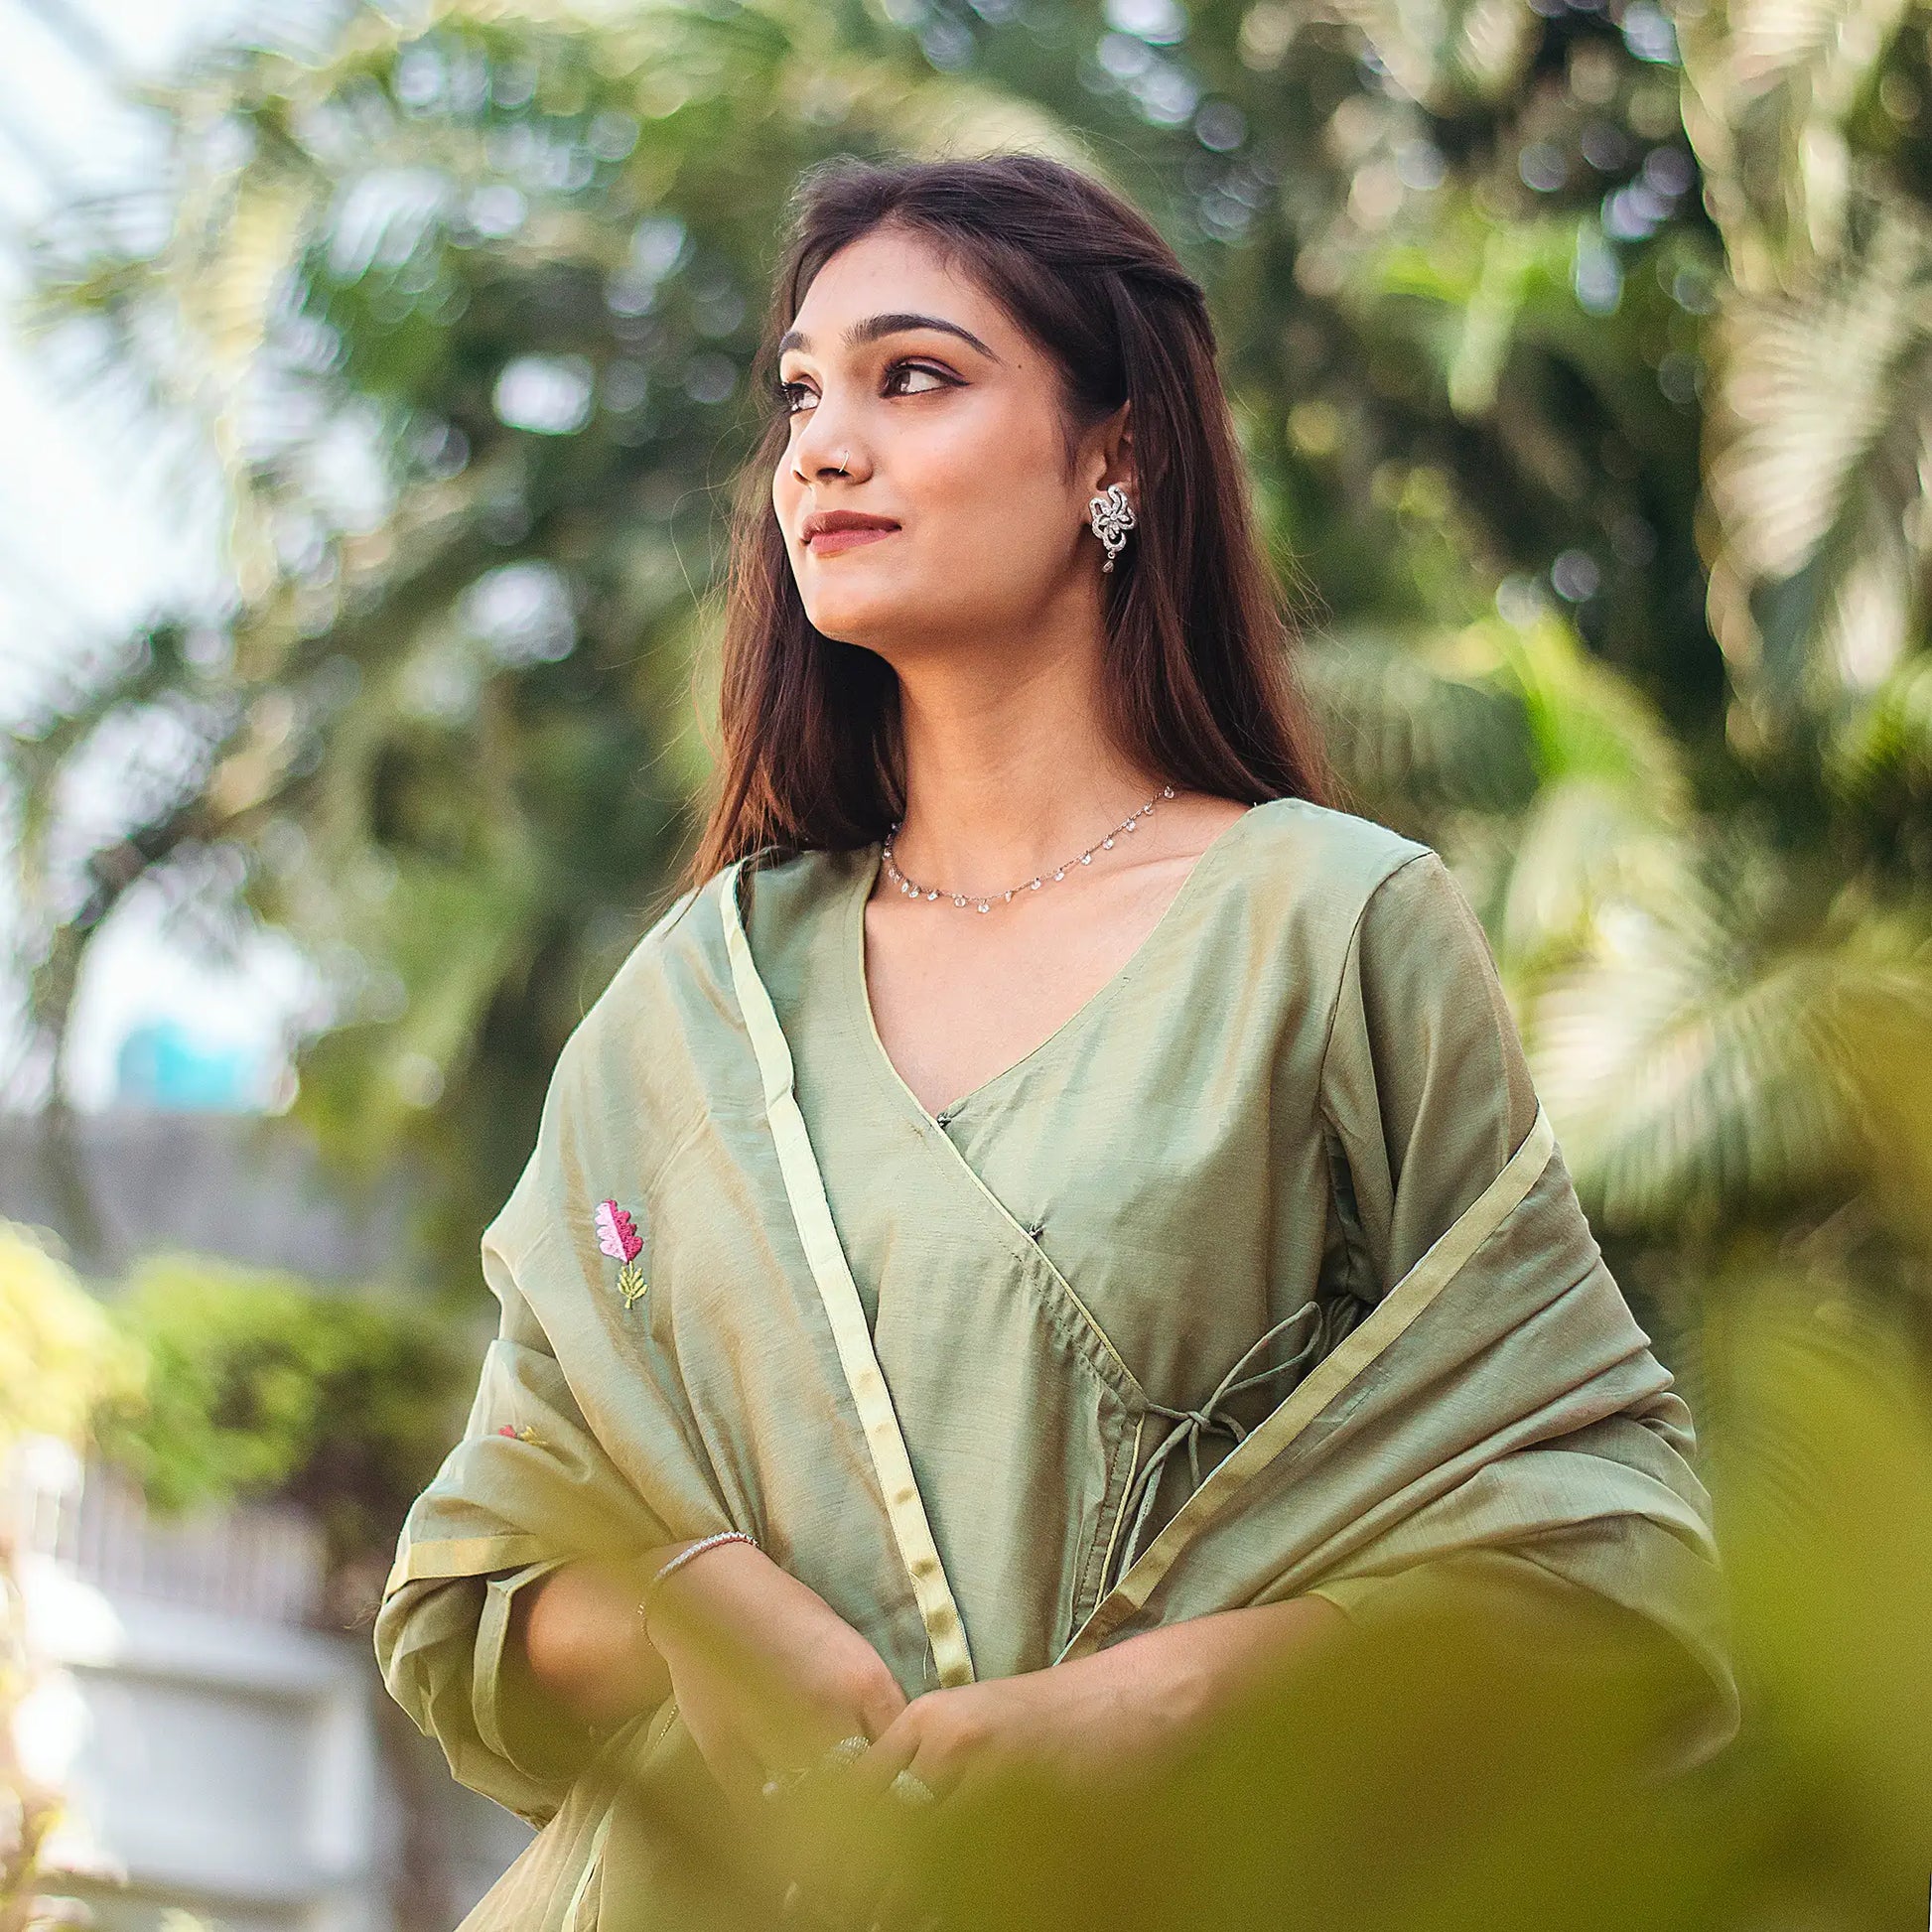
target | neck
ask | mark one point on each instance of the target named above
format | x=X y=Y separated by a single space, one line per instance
x=1007 y=769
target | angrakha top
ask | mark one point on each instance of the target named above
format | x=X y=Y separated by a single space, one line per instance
x=1262 y=1275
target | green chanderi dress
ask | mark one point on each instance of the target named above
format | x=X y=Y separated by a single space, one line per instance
x=1261 y=1276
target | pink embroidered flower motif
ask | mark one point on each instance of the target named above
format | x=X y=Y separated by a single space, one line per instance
x=525 y=1435
x=620 y=1241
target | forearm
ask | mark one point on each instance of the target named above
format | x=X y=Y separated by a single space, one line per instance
x=578 y=1637
x=1128 y=1710
x=1203 y=1666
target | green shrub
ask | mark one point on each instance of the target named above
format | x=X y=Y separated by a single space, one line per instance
x=260 y=1386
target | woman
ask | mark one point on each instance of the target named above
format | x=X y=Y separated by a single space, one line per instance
x=1068 y=1195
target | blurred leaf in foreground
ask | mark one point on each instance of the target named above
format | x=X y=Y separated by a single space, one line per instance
x=1476 y=1755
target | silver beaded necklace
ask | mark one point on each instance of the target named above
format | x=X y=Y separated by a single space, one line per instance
x=982 y=901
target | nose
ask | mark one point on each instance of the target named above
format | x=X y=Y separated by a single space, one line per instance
x=823 y=446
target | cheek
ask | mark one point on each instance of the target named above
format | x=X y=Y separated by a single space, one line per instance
x=785 y=487
x=1012 y=543
x=989 y=486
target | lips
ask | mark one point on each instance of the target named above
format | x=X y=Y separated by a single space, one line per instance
x=830 y=531
x=829 y=542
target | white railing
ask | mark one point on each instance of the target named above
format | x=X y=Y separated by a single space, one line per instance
x=259 y=1562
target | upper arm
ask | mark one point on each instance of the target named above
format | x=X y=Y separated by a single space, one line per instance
x=1424 y=1079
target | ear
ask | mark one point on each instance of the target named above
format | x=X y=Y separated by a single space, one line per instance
x=1114 y=455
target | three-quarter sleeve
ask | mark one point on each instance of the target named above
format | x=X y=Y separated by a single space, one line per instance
x=445 y=1661
x=514 y=1718
x=527 y=1489
x=1425 y=1095
x=443 y=1640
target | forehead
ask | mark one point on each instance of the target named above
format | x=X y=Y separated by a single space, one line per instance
x=891 y=269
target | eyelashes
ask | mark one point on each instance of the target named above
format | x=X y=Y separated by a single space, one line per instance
x=787 y=397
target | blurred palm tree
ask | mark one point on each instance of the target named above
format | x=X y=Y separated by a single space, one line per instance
x=1804 y=119
x=462 y=315
x=463 y=310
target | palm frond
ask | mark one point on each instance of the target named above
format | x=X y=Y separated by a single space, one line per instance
x=1815 y=456
x=1423 y=721
x=1882 y=746
x=1768 y=88
x=1437 y=51
x=1682 y=1091
x=1610 y=806
x=1713 y=1052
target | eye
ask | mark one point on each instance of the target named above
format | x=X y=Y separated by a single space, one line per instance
x=786 y=396
x=940 y=379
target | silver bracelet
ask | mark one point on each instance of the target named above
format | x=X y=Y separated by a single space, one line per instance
x=684 y=1556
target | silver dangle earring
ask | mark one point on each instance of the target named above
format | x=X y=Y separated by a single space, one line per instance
x=1112 y=516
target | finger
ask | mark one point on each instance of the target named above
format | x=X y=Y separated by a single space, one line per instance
x=930 y=1773
x=841 y=1754
x=891 y=1753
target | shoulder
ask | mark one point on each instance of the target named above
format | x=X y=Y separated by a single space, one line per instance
x=636 y=1070
x=1383 y=924
x=625 y=1050
x=678 y=974
x=651 y=1057
x=1336 y=900
x=1321 y=859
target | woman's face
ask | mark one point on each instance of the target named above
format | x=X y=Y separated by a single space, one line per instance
x=947 y=419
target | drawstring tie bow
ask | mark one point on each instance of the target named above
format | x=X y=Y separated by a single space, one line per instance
x=1191 y=1425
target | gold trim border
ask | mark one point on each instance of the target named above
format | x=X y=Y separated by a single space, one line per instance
x=468 y=1555
x=805 y=1189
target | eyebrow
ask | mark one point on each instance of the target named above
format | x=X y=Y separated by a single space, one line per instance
x=872 y=328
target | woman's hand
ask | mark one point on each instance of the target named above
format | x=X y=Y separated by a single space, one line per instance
x=1114 y=1714
x=768 y=1676
x=1099 y=1712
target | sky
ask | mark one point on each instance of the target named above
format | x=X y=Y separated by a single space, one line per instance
x=92 y=537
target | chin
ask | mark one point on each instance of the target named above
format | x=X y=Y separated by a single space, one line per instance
x=863 y=619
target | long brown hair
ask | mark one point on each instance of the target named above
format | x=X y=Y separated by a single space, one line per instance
x=1199 y=681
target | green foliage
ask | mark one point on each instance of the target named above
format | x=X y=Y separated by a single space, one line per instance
x=1468 y=1761
x=58 y=1358
x=512 y=257
x=60 y=1355
x=1811 y=132
x=1579 y=363
x=262 y=1385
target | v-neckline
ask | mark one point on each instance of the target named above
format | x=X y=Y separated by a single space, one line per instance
x=852 y=967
